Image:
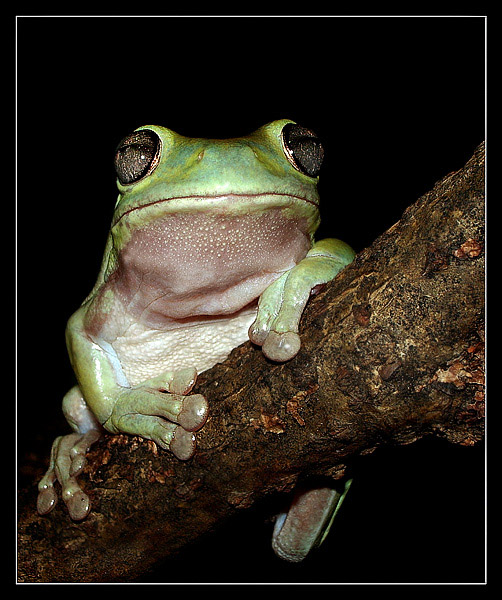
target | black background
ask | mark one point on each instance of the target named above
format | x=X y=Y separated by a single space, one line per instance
x=398 y=102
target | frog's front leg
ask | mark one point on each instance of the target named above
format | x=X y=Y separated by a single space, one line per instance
x=281 y=305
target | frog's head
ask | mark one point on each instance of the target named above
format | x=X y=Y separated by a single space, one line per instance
x=215 y=210
x=160 y=172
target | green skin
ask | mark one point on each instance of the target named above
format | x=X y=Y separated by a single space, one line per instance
x=180 y=297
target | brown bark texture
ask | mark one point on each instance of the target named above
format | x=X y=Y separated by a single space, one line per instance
x=392 y=350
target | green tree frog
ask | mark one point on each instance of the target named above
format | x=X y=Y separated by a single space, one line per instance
x=211 y=244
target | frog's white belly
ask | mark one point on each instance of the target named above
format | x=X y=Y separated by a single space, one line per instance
x=145 y=353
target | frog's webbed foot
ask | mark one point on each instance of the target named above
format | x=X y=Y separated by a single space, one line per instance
x=68 y=460
x=161 y=410
x=307 y=522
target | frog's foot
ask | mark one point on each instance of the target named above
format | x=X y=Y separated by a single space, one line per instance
x=281 y=305
x=66 y=463
x=68 y=460
x=308 y=521
x=276 y=325
x=160 y=410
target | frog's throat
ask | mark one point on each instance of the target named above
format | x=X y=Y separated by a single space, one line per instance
x=186 y=264
x=207 y=201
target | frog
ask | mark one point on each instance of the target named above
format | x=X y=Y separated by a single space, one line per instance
x=211 y=245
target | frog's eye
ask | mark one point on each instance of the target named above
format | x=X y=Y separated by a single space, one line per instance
x=137 y=155
x=303 y=149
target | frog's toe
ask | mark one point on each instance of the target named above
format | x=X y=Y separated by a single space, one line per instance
x=79 y=451
x=307 y=522
x=47 y=500
x=47 y=497
x=188 y=411
x=193 y=412
x=258 y=331
x=183 y=381
x=78 y=505
x=183 y=444
x=166 y=434
x=77 y=465
x=281 y=347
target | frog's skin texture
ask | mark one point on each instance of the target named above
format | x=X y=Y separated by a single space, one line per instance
x=211 y=244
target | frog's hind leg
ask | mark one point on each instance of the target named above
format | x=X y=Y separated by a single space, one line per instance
x=307 y=522
x=68 y=458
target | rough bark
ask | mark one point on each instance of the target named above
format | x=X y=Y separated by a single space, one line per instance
x=392 y=350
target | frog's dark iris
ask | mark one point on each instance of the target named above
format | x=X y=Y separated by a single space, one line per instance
x=136 y=156
x=303 y=149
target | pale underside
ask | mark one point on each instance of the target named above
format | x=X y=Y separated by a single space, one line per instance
x=145 y=353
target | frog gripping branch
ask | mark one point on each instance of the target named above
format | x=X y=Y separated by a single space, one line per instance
x=211 y=244
x=391 y=351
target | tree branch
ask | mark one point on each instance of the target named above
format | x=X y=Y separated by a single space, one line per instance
x=392 y=350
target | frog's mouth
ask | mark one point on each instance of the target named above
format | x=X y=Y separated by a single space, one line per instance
x=235 y=202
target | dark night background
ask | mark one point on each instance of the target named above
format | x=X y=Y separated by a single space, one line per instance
x=398 y=103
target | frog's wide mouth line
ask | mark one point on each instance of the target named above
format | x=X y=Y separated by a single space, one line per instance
x=220 y=197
